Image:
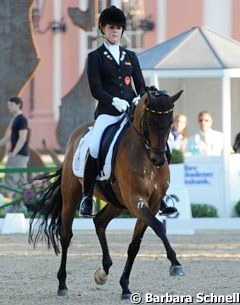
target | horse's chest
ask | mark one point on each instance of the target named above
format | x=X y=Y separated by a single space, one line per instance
x=156 y=180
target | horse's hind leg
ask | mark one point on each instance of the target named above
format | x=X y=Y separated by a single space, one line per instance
x=101 y=222
x=133 y=249
x=71 y=192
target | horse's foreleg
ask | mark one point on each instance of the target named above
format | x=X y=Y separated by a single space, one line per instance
x=150 y=220
x=133 y=249
x=101 y=222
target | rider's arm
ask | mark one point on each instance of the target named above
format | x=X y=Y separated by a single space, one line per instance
x=94 y=78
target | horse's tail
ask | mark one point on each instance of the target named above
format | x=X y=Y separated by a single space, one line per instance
x=48 y=209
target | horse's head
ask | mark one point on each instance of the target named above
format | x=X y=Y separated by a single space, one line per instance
x=154 y=117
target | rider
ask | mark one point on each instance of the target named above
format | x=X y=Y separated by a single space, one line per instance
x=111 y=70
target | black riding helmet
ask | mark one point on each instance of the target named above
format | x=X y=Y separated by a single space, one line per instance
x=112 y=15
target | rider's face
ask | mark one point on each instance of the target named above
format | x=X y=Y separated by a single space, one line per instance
x=113 y=33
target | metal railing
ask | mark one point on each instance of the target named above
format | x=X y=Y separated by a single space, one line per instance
x=17 y=190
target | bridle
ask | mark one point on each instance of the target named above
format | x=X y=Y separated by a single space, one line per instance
x=144 y=128
x=144 y=133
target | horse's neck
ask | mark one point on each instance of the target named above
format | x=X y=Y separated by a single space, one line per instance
x=138 y=113
x=136 y=146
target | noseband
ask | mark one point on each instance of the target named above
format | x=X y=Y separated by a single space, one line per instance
x=144 y=127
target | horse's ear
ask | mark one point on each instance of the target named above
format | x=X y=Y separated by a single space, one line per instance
x=175 y=96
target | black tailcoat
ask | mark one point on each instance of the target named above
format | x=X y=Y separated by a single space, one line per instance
x=107 y=79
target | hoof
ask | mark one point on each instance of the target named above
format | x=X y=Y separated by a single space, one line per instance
x=100 y=276
x=62 y=293
x=176 y=271
x=126 y=296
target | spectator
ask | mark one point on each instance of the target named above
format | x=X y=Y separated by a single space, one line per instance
x=17 y=135
x=178 y=134
x=206 y=141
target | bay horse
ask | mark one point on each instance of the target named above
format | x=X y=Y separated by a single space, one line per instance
x=141 y=178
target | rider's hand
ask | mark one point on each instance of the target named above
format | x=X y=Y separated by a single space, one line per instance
x=119 y=104
x=136 y=100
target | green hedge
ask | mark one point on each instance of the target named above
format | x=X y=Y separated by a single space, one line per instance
x=237 y=208
x=177 y=157
x=203 y=210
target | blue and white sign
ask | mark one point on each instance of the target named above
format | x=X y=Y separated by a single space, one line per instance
x=214 y=181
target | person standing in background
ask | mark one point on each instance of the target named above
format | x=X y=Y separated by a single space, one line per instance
x=18 y=136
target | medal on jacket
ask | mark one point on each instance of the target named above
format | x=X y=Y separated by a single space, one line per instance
x=128 y=63
x=127 y=80
x=107 y=55
x=123 y=56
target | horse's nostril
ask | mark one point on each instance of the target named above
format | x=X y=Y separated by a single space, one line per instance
x=158 y=163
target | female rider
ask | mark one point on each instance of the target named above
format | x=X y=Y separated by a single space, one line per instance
x=111 y=71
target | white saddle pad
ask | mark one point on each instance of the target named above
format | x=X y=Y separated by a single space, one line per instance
x=79 y=157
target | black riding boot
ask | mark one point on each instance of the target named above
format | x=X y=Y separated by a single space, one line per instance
x=165 y=210
x=90 y=173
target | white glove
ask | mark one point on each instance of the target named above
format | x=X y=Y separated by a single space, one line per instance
x=119 y=104
x=136 y=100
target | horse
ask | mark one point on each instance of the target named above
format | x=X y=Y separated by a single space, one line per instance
x=141 y=178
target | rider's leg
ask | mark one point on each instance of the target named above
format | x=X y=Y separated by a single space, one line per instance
x=90 y=171
x=164 y=209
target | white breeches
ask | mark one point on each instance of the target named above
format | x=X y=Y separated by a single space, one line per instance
x=101 y=123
